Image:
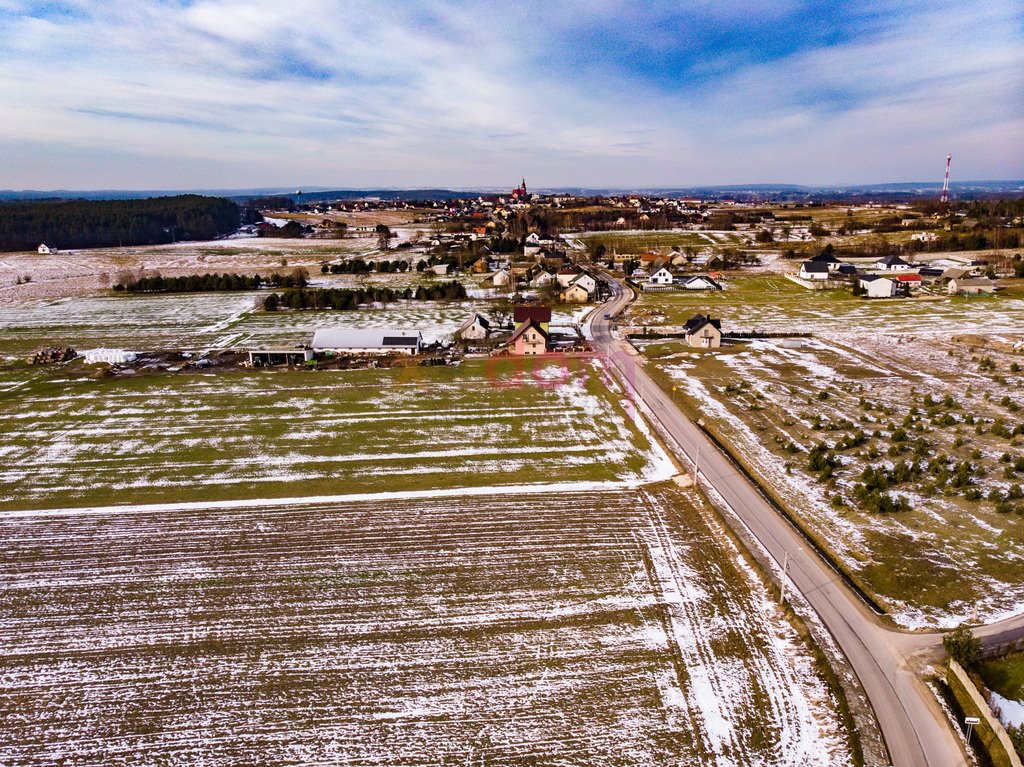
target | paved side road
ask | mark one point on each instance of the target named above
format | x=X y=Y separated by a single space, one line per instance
x=915 y=729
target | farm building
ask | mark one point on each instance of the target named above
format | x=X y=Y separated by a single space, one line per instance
x=971 y=286
x=367 y=341
x=443 y=270
x=702 y=332
x=481 y=266
x=259 y=358
x=475 y=328
x=878 y=287
x=46 y=248
x=529 y=339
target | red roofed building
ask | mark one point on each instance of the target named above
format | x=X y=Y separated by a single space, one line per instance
x=538 y=314
x=529 y=338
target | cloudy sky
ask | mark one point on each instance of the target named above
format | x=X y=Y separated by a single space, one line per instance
x=162 y=94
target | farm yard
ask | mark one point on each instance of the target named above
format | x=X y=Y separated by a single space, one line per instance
x=896 y=433
x=250 y=434
x=615 y=627
x=200 y=321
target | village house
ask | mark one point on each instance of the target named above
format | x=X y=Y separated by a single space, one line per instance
x=702 y=332
x=475 y=328
x=662 y=277
x=502 y=279
x=575 y=294
x=480 y=266
x=587 y=281
x=47 y=249
x=529 y=338
x=566 y=277
x=910 y=281
x=542 y=279
x=893 y=264
x=811 y=270
x=367 y=341
x=700 y=282
x=524 y=313
x=826 y=258
x=443 y=270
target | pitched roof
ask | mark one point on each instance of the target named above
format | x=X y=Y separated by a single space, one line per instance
x=530 y=312
x=531 y=323
x=814 y=267
x=893 y=261
x=825 y=258
x=478 y=319
x=698 y=321
x=975 y=282
x=696 y=277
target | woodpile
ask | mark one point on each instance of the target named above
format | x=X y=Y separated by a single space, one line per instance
x=51 y=355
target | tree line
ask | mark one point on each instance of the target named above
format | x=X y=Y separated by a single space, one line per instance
x=346 y=298
x=106 y=223
x=205 y=283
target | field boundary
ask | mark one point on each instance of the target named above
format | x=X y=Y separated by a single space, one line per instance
x=326 y=500
x=991 y=734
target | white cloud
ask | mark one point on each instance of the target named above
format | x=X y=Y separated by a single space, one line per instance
x=226 y=93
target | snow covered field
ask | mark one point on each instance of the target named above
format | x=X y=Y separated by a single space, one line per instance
x=879 y=369
x=610 y=628
x=198 y=321
x=247 y=434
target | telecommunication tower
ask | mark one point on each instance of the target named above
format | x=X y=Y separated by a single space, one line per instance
x=945 y=184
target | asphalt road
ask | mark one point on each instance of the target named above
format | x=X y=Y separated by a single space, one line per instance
x=915 y=729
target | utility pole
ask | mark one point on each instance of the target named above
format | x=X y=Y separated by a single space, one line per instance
x=785 y=578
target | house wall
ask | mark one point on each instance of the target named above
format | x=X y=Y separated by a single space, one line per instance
x=708 y=337
x=530 y=342
x=878 y=289
x=576 y=295
x=474 y=332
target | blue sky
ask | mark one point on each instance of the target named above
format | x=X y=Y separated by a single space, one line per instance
x=244 y=93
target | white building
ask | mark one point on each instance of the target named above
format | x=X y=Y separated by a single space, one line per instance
x=475 y=328
x=878 y=287
x=46 y=248
x=809 y=270
x=367 y=341
x=700 y=282
x=662 y=277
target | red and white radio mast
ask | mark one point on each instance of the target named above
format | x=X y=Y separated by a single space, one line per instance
x=945 y=184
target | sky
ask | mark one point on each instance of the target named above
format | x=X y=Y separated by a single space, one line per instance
x=215 y=94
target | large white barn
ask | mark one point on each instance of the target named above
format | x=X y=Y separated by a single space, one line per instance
x=367 y=341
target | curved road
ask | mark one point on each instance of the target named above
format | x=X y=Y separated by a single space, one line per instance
x=915 y=729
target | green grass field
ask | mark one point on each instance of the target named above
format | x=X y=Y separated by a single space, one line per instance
x=1004 y=675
